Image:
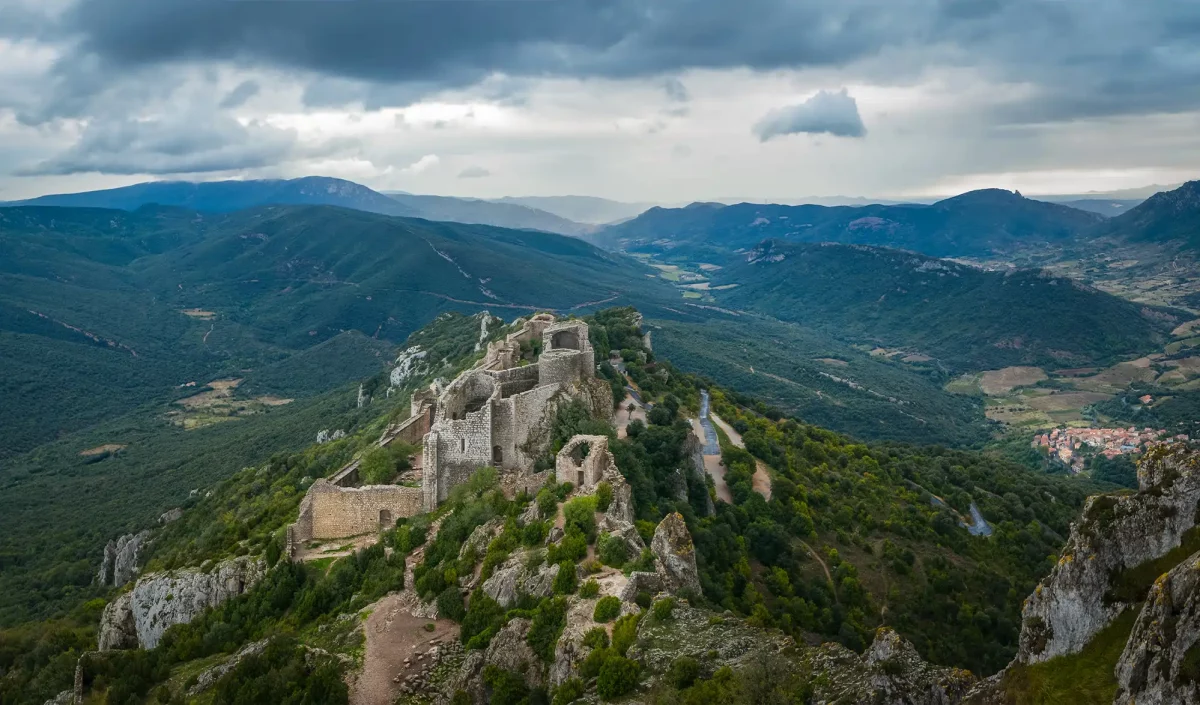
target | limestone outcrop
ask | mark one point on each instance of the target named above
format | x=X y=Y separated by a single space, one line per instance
x=1161 y=661
x=1115 y=533
x=675 y=555
x=514 y=578
x=157 y=601
x=120 y=562
x=890 y=672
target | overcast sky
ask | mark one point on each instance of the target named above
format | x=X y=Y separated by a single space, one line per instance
x=646 y=100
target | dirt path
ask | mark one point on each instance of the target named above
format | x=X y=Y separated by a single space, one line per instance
x=622 y=416
x=396 y=646
x=817 y=557
x=762 y=475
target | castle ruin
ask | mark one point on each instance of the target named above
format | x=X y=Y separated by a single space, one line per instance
x=497 y=414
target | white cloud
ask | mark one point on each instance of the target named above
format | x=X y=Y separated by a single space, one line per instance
x=422 y=165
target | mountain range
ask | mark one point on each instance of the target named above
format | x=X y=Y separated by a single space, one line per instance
x=975 y=223
x=228 y=196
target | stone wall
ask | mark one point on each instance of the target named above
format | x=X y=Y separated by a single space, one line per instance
x=338 y=512
x=583 y=461
x=517 y=380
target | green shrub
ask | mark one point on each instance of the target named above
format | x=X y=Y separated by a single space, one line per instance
x=594 y=661
x=571 y=690
x=534 y=533
x=507 y=688
x=607 y=609
x=566 y=581
x=624 y=633
x=612 y=550
x=683 y=672
x=547 y=502
x=581 y=513
x=572 y=547
x=663 y=608
x=484 y=618
x=604 y=496
x=618 y=676
x=461 y=698
x=589 y=589
x=450 y=604
x=547 y=625
x=380 y=465
x=643 y=600
x=596 y=638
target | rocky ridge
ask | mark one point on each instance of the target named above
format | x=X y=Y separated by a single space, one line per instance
x=138 y=618
x=1115 y=533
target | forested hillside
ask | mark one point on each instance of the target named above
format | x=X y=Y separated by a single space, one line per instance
x=967 y=318
x=103 y=310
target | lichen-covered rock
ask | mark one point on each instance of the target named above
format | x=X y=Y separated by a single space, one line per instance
x=641 y=582
x=712 y=640
x=480 y=538
x=67 y=697
x=620 y=510
x=514 y=577
x=119 y=564
x=1161 y=661
x=569 y=652
x=161 y=600
x=897 y=674
x=170 y=515
x=1114 y=534
x=209 y=678
x=508 y=650
x=117 y=628
x=676 y=555
x=889 y=673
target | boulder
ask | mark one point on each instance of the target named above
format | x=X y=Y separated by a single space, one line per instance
x=209 y=678
x=1114 y=534
x=509 y=650
x=514 y=578
x=161 y=600
x=569 y=652
x=170 y=515
x=676 y=555
x=1155 y=668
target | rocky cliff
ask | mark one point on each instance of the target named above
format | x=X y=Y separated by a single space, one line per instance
x=1114 y=535
x=1161 y=661
x=138 y=618
x=120 y=562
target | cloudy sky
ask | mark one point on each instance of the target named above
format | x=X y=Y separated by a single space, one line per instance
x=647 y=100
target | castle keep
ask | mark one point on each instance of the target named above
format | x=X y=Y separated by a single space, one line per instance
x=498 y=414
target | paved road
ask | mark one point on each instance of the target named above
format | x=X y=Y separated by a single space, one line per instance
x=711 y=445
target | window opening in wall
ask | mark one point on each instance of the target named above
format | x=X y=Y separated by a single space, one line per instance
x=385 y=518
x=579 y=482
x=497 y=455
x=462 y=445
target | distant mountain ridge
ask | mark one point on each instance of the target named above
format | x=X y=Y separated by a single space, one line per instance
x=972 y=224
x=1168 y=216
x=229 y=196
x=581 y=209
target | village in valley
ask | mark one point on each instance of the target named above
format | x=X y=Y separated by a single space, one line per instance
x=1072 y=446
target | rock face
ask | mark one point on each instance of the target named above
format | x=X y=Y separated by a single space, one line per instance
x=1161 y=661
x=514 y=578
x=119 y=564
x=508 y=650
x=1115 y=533
x=672 y=546
x=889 y=673
x=160 y=600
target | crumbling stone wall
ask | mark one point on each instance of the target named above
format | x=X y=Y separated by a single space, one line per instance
x=338 y=512
x=583 y=461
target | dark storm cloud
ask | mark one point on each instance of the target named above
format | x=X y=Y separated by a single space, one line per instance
x=1093 y=58
x=824 y=113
